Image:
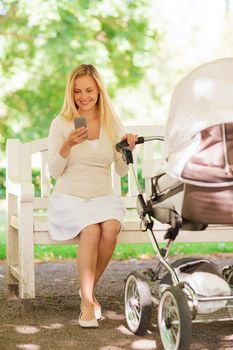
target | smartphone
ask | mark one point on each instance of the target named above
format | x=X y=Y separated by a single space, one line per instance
x=79 y=122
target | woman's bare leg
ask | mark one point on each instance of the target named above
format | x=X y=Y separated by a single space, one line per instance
x=87 y=262
x=107 y=243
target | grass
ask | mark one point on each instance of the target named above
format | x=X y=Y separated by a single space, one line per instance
x=122 y=251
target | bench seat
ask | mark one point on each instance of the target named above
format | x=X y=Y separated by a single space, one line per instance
x=132 y=234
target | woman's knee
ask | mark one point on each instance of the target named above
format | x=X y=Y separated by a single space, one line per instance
x=110 y=229
x=91 y=233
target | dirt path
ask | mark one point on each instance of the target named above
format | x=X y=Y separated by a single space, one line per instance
x=54 y=322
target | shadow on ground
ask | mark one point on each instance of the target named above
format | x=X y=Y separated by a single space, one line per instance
x=53 y=323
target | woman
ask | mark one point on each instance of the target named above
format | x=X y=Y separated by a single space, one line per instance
x=83 y=202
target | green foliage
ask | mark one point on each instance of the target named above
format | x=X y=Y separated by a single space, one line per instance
x=42 y=41
x=2 y=183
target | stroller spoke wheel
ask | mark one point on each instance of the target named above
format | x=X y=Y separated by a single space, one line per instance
x=174 y=319
x=138 y=303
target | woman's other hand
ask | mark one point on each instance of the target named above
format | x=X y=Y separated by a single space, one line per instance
x=131 y=139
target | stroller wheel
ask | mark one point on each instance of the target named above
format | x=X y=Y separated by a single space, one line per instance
x=138 y=303
x=174 y=319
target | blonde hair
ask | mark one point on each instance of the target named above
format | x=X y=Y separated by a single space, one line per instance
x=108 y=118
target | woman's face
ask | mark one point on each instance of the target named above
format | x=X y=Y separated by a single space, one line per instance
x=85 y=93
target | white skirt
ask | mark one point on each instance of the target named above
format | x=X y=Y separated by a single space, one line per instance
x=69 y=215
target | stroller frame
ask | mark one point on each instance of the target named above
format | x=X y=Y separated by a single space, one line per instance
x=175 y=325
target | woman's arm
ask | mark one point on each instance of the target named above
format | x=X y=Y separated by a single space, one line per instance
x=60 y=145
x=58 y=151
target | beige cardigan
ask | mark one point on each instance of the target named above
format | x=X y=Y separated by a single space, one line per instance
x=86 y=172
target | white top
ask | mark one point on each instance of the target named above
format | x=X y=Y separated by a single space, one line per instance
x=86 y=172
x=93 y=143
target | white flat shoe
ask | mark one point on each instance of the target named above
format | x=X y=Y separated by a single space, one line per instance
x=98 y=313
x=87 y=323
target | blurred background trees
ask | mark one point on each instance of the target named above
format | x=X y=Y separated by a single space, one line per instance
x=141 y=48
x=42 y=41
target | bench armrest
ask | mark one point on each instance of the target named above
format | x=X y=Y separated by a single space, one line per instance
x=23 y=190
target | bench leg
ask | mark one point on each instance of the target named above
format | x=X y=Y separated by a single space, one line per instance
x=12 y=251
x=26 y=251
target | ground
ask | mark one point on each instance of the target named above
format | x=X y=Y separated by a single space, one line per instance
x=53 y=324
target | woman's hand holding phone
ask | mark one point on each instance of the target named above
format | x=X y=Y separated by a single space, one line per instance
x=80 y=133
x=76 y=136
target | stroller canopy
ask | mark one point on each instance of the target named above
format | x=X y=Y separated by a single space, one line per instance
x=202 y=99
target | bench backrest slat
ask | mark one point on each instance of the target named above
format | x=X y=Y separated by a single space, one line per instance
x=45 y=177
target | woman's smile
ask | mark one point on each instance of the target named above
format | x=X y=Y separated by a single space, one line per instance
x=85 y=102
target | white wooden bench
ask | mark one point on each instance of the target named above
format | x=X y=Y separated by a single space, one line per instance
x=26 y=224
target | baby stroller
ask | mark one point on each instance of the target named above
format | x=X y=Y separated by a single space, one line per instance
x=198 y=172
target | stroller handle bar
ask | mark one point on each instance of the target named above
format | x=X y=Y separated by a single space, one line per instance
x=124 y=144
